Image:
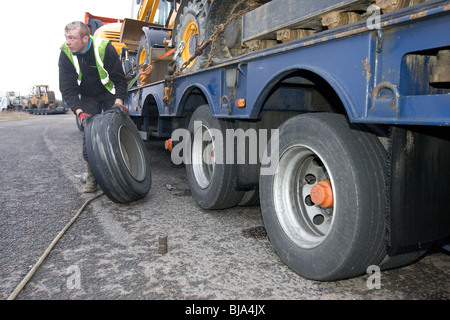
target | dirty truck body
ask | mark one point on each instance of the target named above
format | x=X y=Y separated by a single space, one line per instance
x=352 y=107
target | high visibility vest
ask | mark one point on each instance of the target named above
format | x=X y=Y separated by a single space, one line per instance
x=99 y=51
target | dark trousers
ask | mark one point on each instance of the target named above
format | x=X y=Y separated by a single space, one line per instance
x=93 y=106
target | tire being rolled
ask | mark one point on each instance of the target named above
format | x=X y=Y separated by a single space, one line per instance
x=79 y=126
x=117 y=157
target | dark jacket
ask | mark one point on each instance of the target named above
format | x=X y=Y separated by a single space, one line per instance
x=91 y=85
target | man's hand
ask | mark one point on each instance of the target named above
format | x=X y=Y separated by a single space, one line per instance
x=121 y=108
x=84 y=117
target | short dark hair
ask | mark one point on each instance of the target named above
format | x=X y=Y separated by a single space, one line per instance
x=78 y=25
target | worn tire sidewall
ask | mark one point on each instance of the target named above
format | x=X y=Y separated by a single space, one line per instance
x=106 y=161
x=79 y=125
x=224 y=174
x=351 y=226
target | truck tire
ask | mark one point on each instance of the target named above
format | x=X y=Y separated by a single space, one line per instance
x=151 y=38
x=40 y=104
x=392 y=262
x=51 y=97
x=229 y=43
x=250 y=198
x=211 y=179
x=334 y=240
x=79 y=126
x=117 y=156
x=143 y=52
x=191 y=28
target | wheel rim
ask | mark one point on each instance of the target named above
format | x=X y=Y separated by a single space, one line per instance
x=142 y=57
x=190 y=36
x=203 y=163
x=298 y=171
x=132 y=153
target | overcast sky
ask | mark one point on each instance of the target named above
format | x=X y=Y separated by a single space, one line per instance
x=31 y=33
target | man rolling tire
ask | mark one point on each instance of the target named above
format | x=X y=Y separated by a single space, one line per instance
x=91 y=80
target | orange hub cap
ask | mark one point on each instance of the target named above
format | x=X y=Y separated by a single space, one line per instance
x=322 y=194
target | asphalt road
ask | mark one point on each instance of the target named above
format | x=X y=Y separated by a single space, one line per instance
x=111 y=251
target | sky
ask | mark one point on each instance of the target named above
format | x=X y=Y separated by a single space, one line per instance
x=31 y=33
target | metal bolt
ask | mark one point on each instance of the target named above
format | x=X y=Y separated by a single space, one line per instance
x=162 y=244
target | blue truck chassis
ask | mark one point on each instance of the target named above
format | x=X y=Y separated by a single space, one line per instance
x=378 y=79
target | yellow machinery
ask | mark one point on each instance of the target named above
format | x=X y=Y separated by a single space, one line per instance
x=111 y=32
x=152 y=13
x=147 y=55
x=167 y=31
x=41 y=97
x=107 y=28
x=138 y=45
x=179 y=31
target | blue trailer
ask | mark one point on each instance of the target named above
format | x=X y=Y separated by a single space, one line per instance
x=342 y=136
x=52 y=108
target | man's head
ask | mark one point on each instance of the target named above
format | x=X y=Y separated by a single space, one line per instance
x=77 y=36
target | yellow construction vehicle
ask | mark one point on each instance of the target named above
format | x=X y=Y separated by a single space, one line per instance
x=43 y=101
x=151 y=13
x=166 y=34
x=107 y=28
x=147 y=38
x=140 y=41
x=41 y=97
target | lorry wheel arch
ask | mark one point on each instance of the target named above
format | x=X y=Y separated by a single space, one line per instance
x=329 y=86
x=194 y=97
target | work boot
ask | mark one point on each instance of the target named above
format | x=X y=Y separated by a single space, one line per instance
x=91 y=183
